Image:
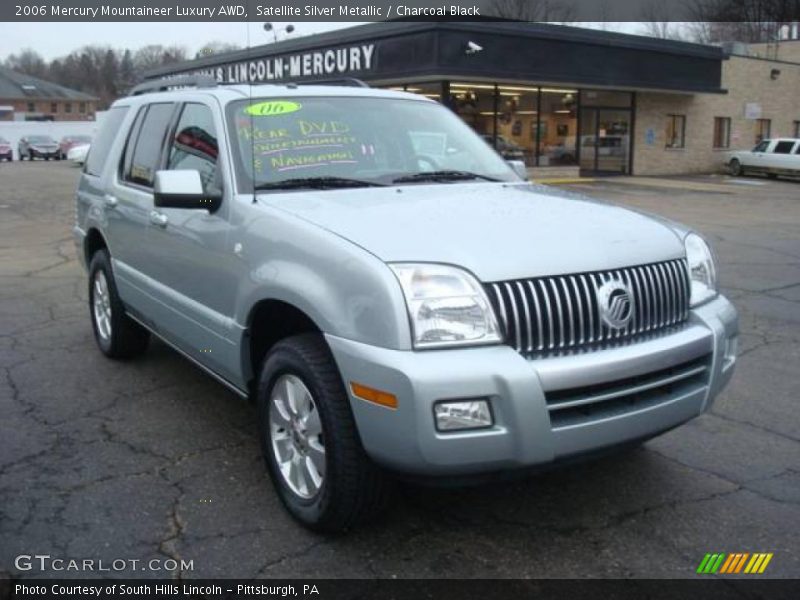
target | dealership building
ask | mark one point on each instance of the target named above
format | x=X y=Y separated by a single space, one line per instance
x=566 y=99
x=27 y=98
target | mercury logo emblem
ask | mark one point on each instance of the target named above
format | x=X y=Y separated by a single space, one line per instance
x=616 y=304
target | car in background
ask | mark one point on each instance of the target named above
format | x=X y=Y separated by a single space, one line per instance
x=78 y=154
x=5 y=150
x=780 y=156
x=70 y=141
x=38 y=146
x=505 y=147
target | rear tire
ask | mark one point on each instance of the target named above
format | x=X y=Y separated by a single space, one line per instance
x=735 y=168
x=116 y=334
x=347 y=488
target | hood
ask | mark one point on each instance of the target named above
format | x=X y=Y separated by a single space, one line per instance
x=497 y=231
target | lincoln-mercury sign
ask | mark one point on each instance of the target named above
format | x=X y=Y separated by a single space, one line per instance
x=338 y=61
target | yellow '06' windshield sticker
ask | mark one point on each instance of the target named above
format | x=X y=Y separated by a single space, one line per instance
x=272 y=108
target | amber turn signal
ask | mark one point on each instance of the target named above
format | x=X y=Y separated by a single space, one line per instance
x=372 y=395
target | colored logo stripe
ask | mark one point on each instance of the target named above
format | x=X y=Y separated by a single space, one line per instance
x=734 y=563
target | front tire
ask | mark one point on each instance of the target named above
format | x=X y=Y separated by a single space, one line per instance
x=116 y=334
x=735 y=167
x=310 y=441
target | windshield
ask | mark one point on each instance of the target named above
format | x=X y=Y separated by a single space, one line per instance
x=356 y=140
x=40 y=139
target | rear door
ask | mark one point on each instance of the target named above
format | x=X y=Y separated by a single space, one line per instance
x=129 y=201
x=781 y=157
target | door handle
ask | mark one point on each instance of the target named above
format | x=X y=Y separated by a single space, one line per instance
x=110 y=201
x=158 y=218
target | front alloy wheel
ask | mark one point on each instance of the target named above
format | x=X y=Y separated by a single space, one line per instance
x=296 y=436
x=310 y=441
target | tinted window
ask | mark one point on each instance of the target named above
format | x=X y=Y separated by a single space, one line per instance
x=146 y=156
x=783 y=148
x=761 y=147
x=194 y=146
x=102 y=144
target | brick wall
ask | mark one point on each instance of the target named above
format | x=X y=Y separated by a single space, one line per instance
x=61 y=110
x=747 y=81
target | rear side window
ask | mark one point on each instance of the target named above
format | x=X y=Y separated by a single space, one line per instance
x=98 y=154
x=145 y=158
x=783 y=148
x=194 y=145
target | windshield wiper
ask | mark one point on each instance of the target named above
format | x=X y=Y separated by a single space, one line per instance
x=442 y=176
x=316 y=183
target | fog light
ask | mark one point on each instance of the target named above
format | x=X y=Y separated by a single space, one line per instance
x=466 y=414
x=731 y=348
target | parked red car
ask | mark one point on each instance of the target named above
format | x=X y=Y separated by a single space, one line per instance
x=5 y=150
x=70 y=141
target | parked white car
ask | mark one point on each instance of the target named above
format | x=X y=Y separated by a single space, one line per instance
x=780 y=156
x=78 y=154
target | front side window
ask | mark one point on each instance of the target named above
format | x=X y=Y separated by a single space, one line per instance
x=676 y=131
x=722 y=132
x=761 y=146
x=195 y=146
x=372 y=141
x=145 y=158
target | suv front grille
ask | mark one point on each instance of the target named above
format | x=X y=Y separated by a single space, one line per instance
x=553 y=315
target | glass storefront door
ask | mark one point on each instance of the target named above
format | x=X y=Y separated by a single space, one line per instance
x=605 y=138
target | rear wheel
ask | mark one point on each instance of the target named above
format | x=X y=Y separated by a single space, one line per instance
x=310 y=441
x=735 y=167
x=116 y=334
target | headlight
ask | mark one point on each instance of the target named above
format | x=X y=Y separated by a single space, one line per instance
x=702 y=272
x=446 y=306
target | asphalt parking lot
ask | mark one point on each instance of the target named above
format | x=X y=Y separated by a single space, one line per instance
x=153 y=459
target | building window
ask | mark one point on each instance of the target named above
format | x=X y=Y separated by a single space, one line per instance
x=82 y=107
x=54 y=107
x=31 y=107
x=763 y=127
x=797 y=129
x=676 y=131
x=67 y=107
x=722 y=132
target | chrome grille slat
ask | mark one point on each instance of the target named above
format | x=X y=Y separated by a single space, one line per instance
x=548 y=315
x=551 y=314
x=528 y=319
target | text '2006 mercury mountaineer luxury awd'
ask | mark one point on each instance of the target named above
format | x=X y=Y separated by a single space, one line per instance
x=389 y=291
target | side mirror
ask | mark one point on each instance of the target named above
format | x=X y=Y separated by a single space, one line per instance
x=519 y=168
x=183 y=189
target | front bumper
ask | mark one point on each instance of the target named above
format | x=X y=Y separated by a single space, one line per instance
x=524 y=434
x=44 y=153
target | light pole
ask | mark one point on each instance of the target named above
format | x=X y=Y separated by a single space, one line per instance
x=270 y=27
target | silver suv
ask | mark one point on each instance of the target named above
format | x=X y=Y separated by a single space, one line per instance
x=394 y=297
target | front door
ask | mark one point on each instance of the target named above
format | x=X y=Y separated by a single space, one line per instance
x=191 y=264
x=605 y=139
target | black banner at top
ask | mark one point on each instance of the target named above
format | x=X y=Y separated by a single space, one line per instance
x=773 y=11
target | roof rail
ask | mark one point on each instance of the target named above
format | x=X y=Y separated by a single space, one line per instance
x=344 y=81
x=165 y=84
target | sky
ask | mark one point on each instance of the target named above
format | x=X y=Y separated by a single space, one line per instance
x=53 y=40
